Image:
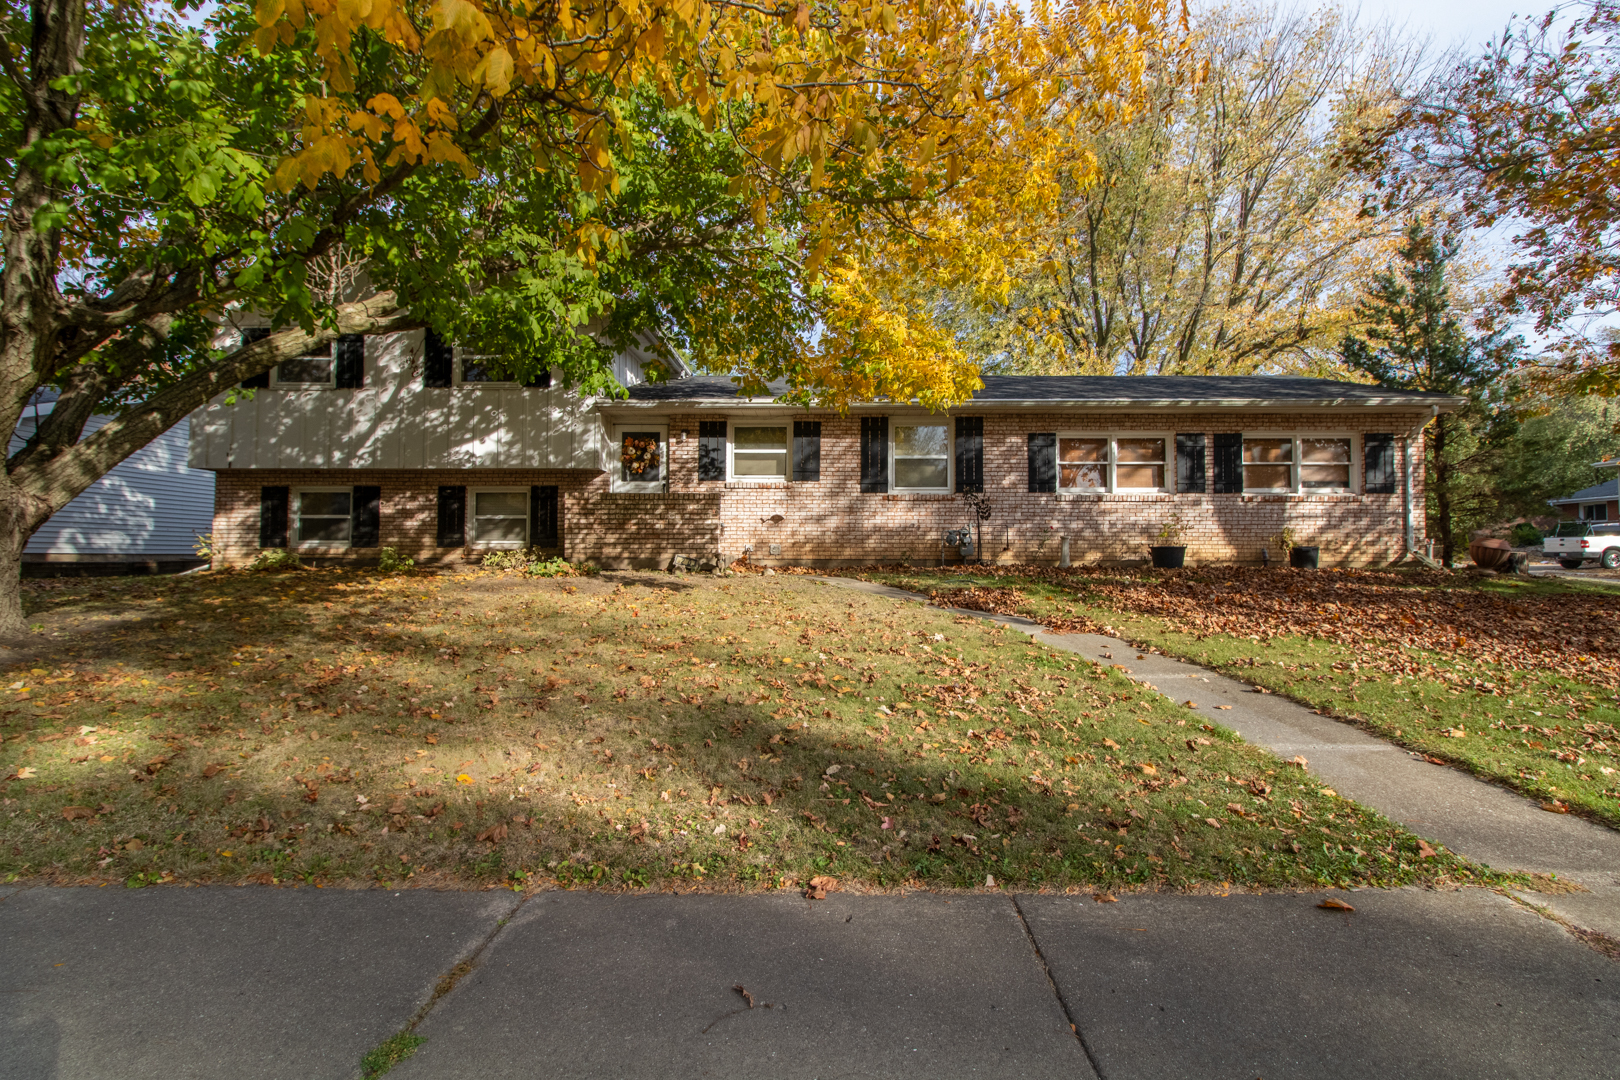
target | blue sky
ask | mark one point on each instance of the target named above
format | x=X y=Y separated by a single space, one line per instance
x=1452 y=23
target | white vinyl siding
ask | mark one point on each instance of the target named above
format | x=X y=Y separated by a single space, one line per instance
x=395 y=422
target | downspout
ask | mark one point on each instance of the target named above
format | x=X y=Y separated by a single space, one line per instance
x=1408 y=504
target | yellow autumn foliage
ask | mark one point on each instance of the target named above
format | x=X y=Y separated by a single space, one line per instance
x=925 y=138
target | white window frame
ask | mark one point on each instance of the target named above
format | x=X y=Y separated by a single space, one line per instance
x=1112 y=484
x=295 y=513
x=616 y=483
x=472 y=518
x=278 y=383
x=462 y=356
x=731 y=452
x=895 y=424
x=1299 y=437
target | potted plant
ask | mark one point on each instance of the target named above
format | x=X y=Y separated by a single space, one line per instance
x=1300 y=556
x=1170 y=553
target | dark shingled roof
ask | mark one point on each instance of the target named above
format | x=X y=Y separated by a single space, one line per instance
x=1609 y=489
x=1105 y=389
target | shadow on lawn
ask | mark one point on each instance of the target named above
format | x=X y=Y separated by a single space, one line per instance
x=650 y=775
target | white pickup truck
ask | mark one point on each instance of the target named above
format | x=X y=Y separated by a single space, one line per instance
x=1575 y=543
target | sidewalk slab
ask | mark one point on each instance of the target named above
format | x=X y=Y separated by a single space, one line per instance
x=1412 y=984
x=246 y=983
x=596 y=985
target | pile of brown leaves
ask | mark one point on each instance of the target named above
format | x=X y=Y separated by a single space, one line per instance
x=975 y=598
x=1574 y=635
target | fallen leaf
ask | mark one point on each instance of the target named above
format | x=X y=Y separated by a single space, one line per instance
x=1297 y=759
x=212 y=771
x=71 y=812
x=494 y=835
x=1212 y=823
x=1190 y=703
x=463 y=778
x=745 y=995
x=1555 y=807
x=1105 y=898
x=134 y=845
x=432 y=740
x=1333 y=903
x=1424 y=850
x=888 y=823
x=1148 y=768
x=820 y=886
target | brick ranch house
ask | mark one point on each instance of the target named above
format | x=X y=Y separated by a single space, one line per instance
x=402 y=441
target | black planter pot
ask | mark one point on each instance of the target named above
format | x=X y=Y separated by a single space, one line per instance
x=1168 y=558
x=1304 y=558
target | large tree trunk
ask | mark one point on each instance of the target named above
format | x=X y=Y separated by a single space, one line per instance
x=37 y=483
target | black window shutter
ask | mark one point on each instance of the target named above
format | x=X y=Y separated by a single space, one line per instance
x=874 y=454
x=452 y=516
x=540 y=380
x=366 y=516
x=807 y=450
x=437 y=356
x=711 y=449
x=1379 y=461
x=969 y=453
x=273 y=516
x=545 y=517
x=261 y=381
x=1043 y=462
x=1190 y=463
x=1228 y=463
x=350 y=371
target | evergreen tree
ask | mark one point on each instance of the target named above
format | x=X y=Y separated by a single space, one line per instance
x=1410 y=336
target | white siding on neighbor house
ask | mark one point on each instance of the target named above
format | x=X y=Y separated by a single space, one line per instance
x=395 y=422
x=150 y=503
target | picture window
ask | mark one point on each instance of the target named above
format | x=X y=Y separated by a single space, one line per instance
x=315 y=368
x=325 y=516
x=922 y=457
x=759 y=453
x=500 y=519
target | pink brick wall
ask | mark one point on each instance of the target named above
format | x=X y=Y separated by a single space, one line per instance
x=831 y=522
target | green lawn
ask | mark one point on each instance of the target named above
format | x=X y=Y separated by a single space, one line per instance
x=1515 y=680
x=623 y=730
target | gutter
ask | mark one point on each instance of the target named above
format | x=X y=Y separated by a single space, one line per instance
x=1449 y=404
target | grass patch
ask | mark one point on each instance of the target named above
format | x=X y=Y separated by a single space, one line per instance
x=389 y=1053
x=627 y=731
x=1514 y=680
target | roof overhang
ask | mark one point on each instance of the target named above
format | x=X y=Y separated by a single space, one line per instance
x=1433 y=405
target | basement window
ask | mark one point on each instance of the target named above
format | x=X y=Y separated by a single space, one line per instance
x=324 y=516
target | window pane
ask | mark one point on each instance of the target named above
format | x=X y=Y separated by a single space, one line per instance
x=1325 y=451
x=768 y=464
x=919 y=473
x=323 y=503
x=1139 y=476
x=1265 y=450
x=1082 y=450
x=498 y=530
x=310 y=369
x=500 y=504
x=1082 y=477
x=477 y=369
x=323 y=530
x=639 y=456
x=1320 y=477
x=922 y=440
x=1141 y=450
x=759 y=438
x=1267 y=478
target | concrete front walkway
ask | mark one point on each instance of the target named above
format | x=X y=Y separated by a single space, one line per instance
x=1472 y=817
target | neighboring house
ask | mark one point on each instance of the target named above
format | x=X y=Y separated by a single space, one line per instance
x=400 y=441
x=1600 y=502
x=143 y=516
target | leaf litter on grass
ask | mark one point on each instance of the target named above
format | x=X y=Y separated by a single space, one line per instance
x=1516 y=680
x=629 y=730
